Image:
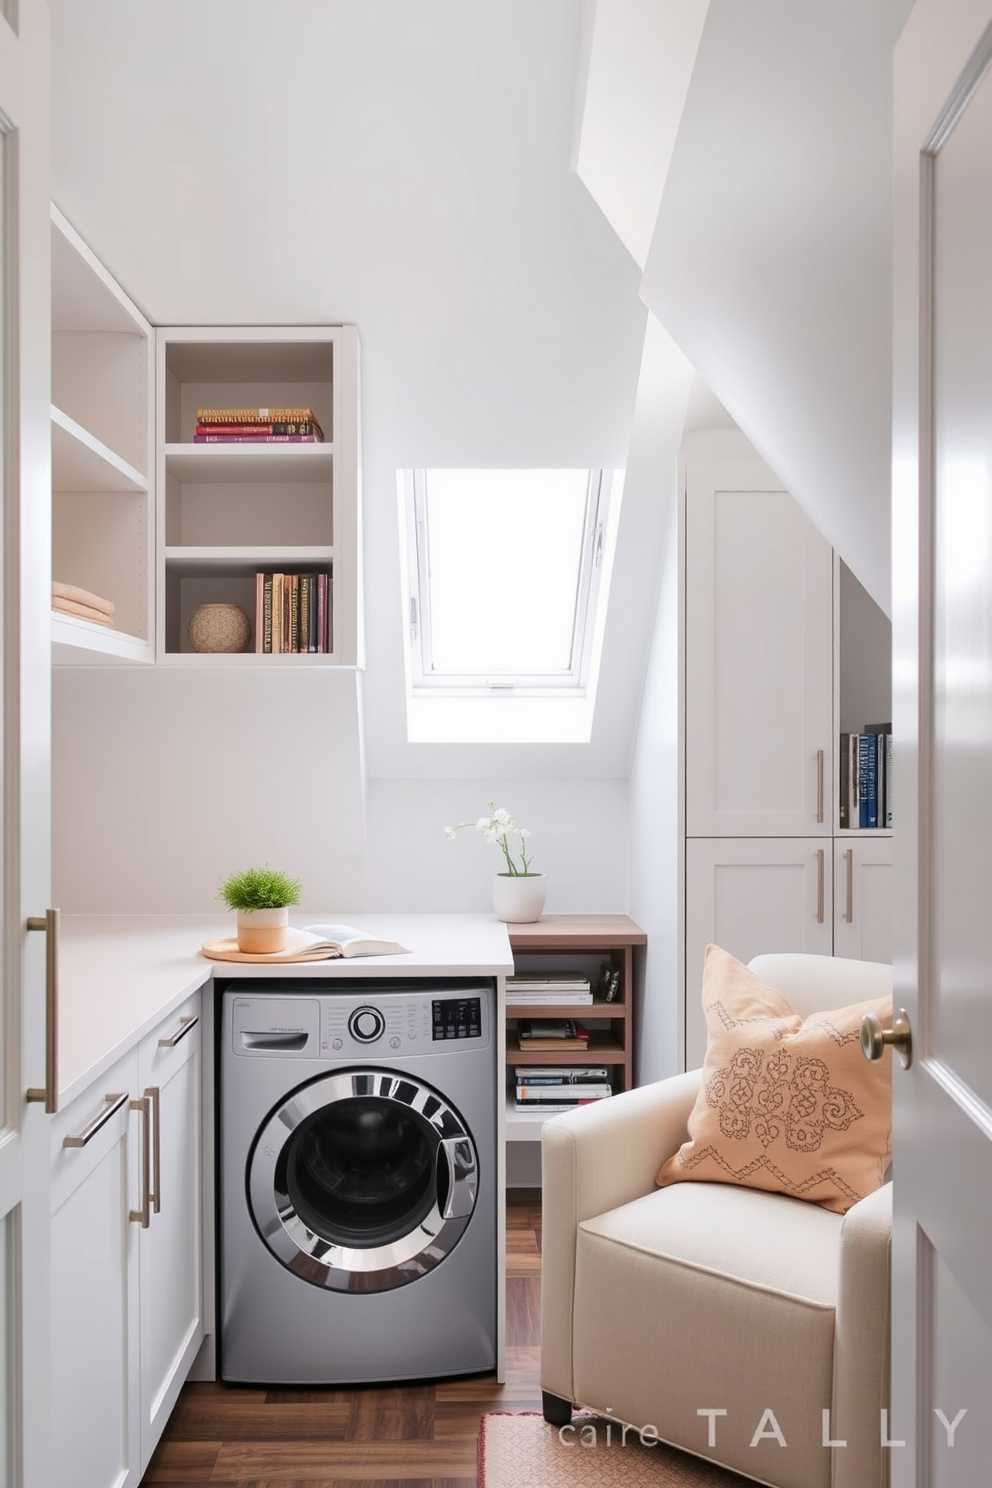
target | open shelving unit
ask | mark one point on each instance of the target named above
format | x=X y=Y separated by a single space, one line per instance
x=229 y=511
x=581 y=943
x=103 y=525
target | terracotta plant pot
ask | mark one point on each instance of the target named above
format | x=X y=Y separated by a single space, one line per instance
x=262 y=931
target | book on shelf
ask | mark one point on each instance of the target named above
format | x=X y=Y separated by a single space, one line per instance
x=248 y=431
x=549 y=1108
x=207 y=416
x=277 y=612
x=844 y=772
x=563 y=987
x=552 y=1033
x=256 y=439
x=609 y=982
x=560 y=1074
x=888 y=779
x=288 y=613
x=540 y=1095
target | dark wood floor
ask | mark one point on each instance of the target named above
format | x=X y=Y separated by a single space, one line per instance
x=416 y=1436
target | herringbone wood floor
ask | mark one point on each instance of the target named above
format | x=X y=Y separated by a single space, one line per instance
x=414 y=1436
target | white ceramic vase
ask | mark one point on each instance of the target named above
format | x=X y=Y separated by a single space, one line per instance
x=518 y=898
x=262 y=931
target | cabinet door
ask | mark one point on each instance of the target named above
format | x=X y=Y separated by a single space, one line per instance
x=95 y=1183
x=170 y=1251
x=863 y=906
x=758 y=658
x=750 y=896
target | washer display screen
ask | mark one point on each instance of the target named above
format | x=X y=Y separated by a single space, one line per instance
x=457 y=1018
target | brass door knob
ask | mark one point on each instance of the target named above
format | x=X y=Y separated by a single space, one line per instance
x=874 y=1037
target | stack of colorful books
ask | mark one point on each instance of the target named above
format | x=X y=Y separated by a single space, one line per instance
x=257 y=426
x=540 y=1090
x=552 y=1033
x=292 y=613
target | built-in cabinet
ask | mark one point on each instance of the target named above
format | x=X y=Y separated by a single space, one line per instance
x=103 y=522
x=582 y=943
x=230 y=511
x=127 y=1313
x=783 y=649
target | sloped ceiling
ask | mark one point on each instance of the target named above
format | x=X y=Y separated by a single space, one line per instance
x=770 y=263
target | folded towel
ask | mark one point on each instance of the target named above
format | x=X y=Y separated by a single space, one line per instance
x=82 y=596
x=85 y=612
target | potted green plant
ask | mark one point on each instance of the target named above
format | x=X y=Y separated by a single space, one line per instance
x=518 y=892
x=262 y=898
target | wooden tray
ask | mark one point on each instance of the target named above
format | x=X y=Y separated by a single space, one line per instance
x=227 y=950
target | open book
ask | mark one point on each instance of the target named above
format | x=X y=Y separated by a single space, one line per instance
x=345 y=940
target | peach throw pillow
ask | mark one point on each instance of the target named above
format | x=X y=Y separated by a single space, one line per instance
x=786 y=1104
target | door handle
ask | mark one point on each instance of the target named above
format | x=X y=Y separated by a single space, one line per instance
x=186 y=1025
x=462 y=1177
x=49 y=1093
x=154 y=1095
x=874 y=1037
x=113 y=1105
x=143 y=1216
x=849 y=903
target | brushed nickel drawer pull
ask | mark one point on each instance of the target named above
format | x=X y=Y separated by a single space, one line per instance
x=114 y=1103
x=154 y=1095
x=143 y=1216
x=186 y=1025
x=49 y=923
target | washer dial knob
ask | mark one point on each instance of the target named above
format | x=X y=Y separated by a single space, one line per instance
x=366 y=1024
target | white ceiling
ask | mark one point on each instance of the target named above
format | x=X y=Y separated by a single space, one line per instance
x=407 y=167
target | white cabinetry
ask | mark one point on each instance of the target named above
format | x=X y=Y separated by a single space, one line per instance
x=784 y=650
x=103 y=525
x=126 y=1248
x=230 y=511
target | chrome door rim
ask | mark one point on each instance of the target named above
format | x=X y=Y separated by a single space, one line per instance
x=350 y=1268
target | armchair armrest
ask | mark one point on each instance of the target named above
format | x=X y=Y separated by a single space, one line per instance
x=594 y=1159
x=861 y=1343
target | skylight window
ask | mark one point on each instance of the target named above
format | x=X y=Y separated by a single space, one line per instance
x=504 y=572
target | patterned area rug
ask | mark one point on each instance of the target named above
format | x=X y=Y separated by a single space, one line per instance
x=523 y=1451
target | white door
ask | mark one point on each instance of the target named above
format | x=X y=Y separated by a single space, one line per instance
x=758 y=657
x=747 y=894
x=942 y=674
x=24 y=695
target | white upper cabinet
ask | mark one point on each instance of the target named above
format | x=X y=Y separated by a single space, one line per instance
x=231 y=511
x=103 y=526
x=758 y=658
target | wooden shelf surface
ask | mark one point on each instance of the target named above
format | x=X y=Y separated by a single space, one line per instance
x=575 y=932
x=603 y=1048
x=578 y=1010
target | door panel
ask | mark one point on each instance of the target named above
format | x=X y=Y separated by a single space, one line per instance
x=751 y=896
x=25 y=486
x=759 y=658
x=863 y=898
x=942 y=572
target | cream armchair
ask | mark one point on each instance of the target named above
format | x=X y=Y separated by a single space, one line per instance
x=746 y=1327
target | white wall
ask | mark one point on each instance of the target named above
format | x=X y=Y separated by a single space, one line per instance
x=578 y=839
x=167 y=779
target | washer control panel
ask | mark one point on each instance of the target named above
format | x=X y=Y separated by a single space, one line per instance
x=456 y=1018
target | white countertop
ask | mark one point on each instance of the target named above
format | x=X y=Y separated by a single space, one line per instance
x=119 y=975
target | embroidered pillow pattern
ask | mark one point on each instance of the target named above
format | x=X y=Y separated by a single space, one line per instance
x=786 y=1104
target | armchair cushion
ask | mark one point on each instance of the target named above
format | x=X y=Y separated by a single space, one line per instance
x=786 y=1104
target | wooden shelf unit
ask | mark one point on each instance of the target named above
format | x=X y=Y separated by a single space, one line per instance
x=229 y=511
x=566 y=943
x=103 y=521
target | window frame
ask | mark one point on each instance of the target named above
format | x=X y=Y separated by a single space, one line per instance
x=571 y=681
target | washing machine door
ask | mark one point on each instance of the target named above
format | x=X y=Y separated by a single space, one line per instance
x=362 y=1180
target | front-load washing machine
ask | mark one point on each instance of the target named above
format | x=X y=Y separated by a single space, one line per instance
x=357 y=1154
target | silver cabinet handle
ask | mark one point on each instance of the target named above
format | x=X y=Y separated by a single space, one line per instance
x=186 y=1025
x=49 y=1093
x=154 y=1095
x=143 y=1216
x=819 y=885
x=114 y=1103
x=849 y=908
x=819 y=785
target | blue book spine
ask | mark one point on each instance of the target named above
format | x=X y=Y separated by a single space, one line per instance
x=888 y=780
x=871 y=781
x=866 y=752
